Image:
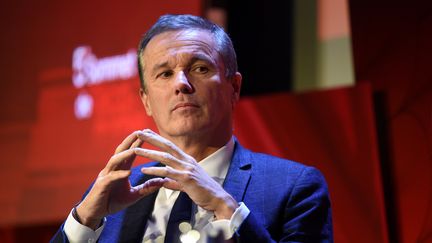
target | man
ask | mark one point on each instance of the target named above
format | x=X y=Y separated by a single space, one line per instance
x=189 y=86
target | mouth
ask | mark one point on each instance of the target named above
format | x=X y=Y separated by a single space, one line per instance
x=185 y=106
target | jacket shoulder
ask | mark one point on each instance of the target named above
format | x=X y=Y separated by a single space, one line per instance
x=267 y=162
x=278 y=170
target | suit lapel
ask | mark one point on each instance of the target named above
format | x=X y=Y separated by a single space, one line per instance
x=239 y=173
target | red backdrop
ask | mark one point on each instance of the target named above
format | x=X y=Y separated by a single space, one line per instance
x=392 y=50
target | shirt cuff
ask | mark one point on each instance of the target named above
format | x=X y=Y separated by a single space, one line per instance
x=77 y=232
x=229 y=227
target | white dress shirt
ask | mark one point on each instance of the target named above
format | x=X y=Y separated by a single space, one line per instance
x=216 y=166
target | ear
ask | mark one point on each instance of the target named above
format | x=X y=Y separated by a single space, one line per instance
x=236 y=84
x=145 y=101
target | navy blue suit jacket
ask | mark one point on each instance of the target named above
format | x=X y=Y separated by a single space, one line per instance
x=288 y=202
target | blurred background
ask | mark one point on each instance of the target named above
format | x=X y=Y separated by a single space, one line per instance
x=342 y=85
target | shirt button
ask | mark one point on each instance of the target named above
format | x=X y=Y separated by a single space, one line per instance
x=91 y=240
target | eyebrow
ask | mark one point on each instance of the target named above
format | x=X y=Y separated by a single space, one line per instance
x=201 y=57
x=159 y=66
x=195 y=57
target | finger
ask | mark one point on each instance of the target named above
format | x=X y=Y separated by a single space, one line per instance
x=127 y=142
x=172 y=184
x=163 y=172
x=163 y=157
x=149 y=186
x=113 y=176
x=137 y=143
x=120 y=161
x=164 y=144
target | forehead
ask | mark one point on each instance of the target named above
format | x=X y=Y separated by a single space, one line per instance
x=166 y=44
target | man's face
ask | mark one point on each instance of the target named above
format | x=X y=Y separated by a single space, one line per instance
x=186 y=90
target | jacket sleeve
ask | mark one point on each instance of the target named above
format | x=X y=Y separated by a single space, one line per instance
x=60 y=236
x=306 y=215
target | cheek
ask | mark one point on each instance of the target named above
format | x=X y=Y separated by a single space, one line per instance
x=220 y=100
x=157 y=105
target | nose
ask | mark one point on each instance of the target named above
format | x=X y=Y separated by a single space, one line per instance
x=182 y=84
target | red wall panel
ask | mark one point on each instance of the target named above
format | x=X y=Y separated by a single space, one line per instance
x=392 y=50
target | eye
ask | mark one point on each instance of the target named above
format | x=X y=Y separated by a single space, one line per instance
x=200 y=69
x=165 y=74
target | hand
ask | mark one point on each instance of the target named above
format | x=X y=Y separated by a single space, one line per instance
x=112 y=190
x=183 y=173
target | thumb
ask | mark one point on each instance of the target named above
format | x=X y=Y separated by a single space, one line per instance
x=148 y=187
x=172 y=184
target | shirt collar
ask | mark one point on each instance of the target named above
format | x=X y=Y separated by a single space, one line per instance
x=216 y=165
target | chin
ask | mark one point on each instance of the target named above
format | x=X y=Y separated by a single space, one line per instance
x=187 y=129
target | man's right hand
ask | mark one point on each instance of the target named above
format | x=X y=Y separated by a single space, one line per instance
x=112 y=191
